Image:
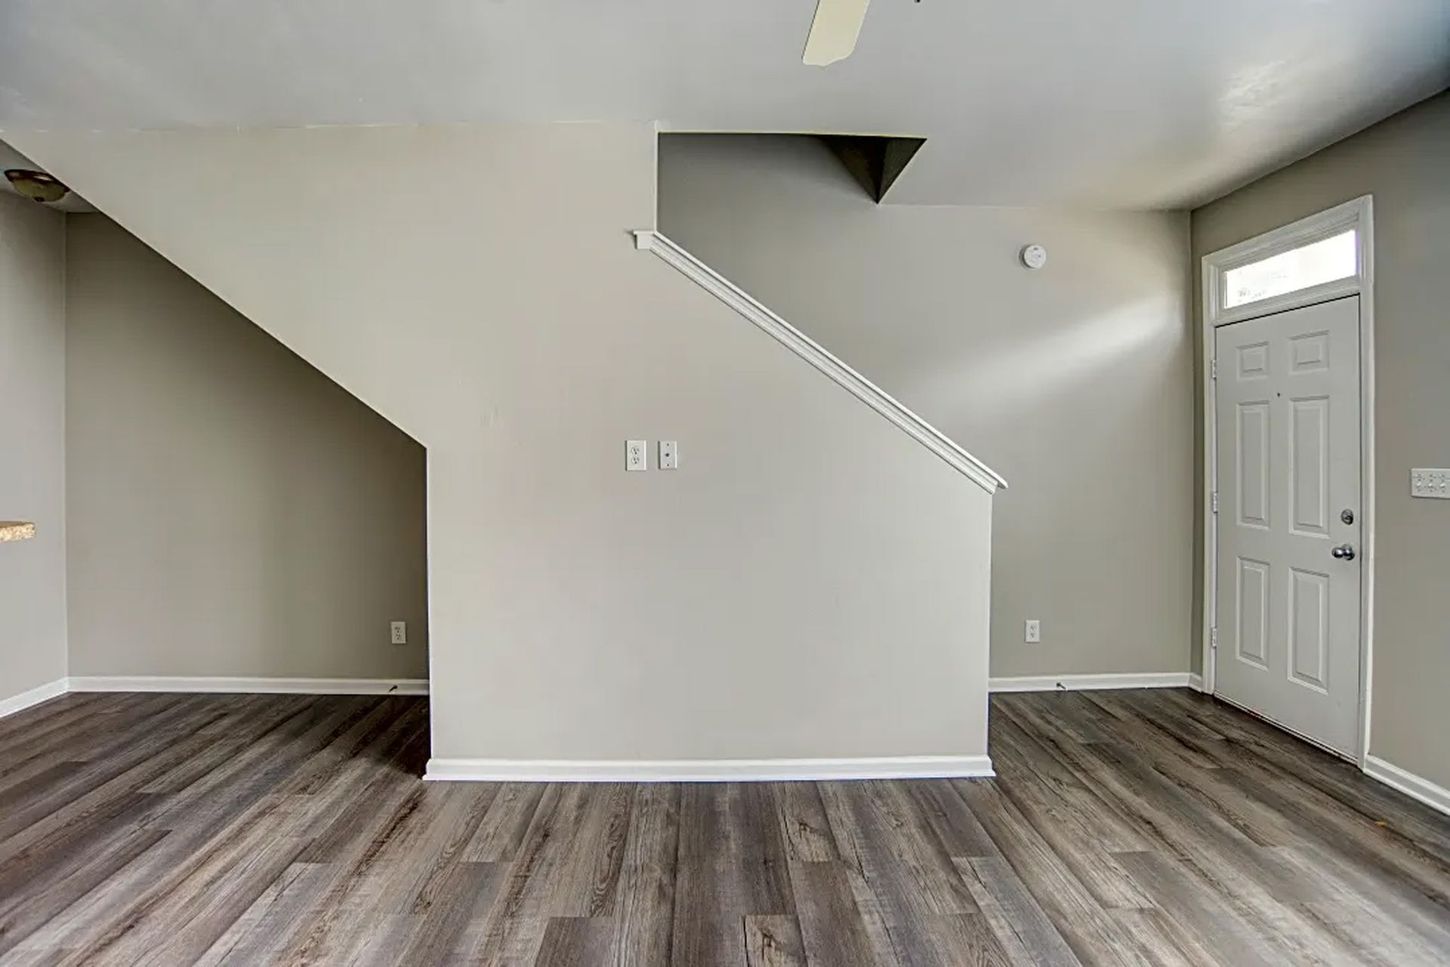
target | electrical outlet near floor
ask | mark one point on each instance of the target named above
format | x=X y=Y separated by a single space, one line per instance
x=399 y=632
x=1034 y=631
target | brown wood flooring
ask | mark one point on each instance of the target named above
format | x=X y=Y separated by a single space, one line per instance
x=1146 y=827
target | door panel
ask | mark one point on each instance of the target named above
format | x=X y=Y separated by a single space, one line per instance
x=1253 y=457
x=1288 y=465
x=1308 y=627
x=1253 y=613
x=1309 y=466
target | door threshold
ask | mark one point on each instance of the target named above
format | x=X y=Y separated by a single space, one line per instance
x=1318 y=744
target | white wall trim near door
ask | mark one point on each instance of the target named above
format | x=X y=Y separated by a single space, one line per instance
x=36 y=695
x=821 y=358
x=1416 y=787
x=299 y=686
x=708 y=770
x=1079 y=683
x=1356 y=214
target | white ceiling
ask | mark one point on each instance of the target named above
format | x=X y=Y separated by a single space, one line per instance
x=1106 y=103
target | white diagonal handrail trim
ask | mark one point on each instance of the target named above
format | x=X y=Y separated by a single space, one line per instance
x=821 y=358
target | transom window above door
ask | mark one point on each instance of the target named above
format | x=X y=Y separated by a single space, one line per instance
x=1326 y=260
x=1313 y=260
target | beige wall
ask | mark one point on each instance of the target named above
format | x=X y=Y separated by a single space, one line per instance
x=232 y=512
x=1074 y=381
x=810 y=583
x=32 y=444
x=1404 y=163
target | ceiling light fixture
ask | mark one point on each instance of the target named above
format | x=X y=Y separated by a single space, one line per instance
x=834 y=30
x=36 y=185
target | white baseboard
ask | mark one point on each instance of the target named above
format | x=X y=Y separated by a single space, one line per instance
x=36 y=695
x=1195 y=681
x=708 y=770
x=302 y=686
x=1416 y=787
x=1075 y=683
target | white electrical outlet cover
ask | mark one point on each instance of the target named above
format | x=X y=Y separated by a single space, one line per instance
x=636 y=455
x=1430 y=482
x=398 y=631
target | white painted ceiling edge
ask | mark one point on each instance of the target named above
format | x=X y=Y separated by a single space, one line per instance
x=1109 y=104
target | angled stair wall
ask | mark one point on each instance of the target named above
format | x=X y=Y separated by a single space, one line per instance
x=810 y=587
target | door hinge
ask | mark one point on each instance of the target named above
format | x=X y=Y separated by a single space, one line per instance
x=1213 y=638
x=1213 y=368
x=1213 y=500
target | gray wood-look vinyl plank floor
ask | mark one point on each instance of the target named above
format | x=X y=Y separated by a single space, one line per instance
x=1130 y=827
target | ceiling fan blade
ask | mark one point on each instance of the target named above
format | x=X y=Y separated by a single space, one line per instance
x=834 y=30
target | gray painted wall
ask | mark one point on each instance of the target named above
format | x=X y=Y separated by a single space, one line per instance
x=1075 y=382
x=810 y=583
x=1404 y=162
x=232 y=511
x=32 y=444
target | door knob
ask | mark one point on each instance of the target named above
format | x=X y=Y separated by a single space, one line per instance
x=1345 y=552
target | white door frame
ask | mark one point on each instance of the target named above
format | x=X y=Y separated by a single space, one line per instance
x=1356 y=214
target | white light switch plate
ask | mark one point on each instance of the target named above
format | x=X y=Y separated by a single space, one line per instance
x=1430 y=482
x=669 y=455
x=636 y=455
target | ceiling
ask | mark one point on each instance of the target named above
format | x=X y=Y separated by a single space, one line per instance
x=1102 y=103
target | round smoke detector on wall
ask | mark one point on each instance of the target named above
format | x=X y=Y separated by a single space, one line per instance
x=1033 y=256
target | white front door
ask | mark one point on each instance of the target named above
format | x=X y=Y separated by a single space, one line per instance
x=1288 y=483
